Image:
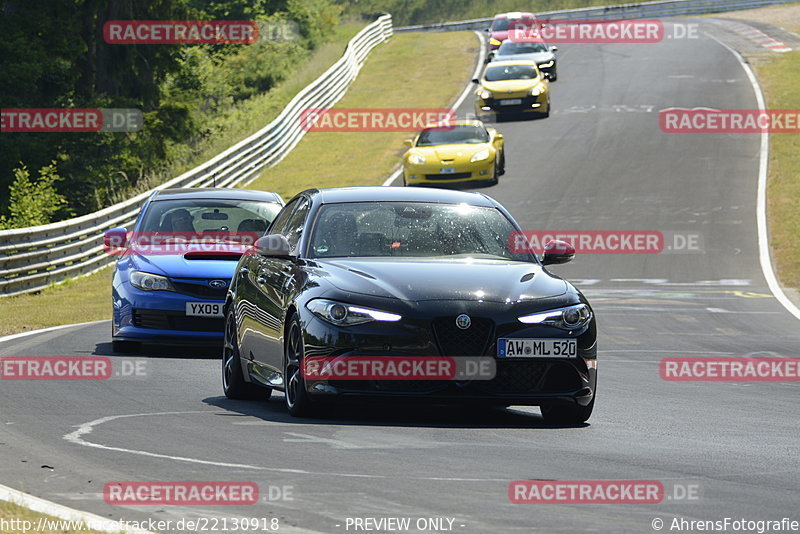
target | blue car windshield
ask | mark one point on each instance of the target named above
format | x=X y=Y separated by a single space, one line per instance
x=208 y=215
x=412 y=229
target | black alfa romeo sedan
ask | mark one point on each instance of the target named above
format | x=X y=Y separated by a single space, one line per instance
x=389 y=273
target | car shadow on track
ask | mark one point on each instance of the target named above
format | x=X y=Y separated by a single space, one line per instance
x=201 y=352
x=394 y=414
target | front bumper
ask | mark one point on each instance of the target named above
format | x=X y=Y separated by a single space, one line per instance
x=430 y=173
x=527 y=104
x=518 y=381
x=160 y=317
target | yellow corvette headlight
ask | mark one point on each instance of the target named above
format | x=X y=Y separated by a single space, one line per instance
x=536 y=91
x=479 y=156
x=494 y=42
x=547 y=65
x=416 y=159
x=484 y=94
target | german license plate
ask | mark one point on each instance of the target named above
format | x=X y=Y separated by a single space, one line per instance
x=511 y=102
x=204 y=309
x=536 y=348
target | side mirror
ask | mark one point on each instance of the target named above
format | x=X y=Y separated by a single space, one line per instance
x=408 y=142
x=556 y=252
x=553 y=48
x=487 y=29
x=475 y=80
x=498 y=137
x=273 y=246
x=115 y=238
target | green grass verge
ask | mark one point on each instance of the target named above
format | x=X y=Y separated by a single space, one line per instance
x=74 y=301
x=10 y=512
x=247 y=117
x=780 y=79
x=410 y=71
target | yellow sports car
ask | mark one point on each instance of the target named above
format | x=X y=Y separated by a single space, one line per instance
x=512 y=87
x=456 y=151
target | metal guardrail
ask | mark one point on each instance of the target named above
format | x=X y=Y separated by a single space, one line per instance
x=665 y=8
x=36 y=257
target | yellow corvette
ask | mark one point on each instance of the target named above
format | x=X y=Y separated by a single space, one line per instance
x=456 y=151
x=514 y=86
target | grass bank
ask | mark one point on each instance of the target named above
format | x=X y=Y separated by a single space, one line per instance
x=411 y=71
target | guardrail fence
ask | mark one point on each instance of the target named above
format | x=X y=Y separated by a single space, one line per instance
x=33 y=258
x=36 y=257
x=667 y=8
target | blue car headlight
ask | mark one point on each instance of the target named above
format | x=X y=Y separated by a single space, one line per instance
x=341 y=314
x=569 y=318
x=150 y=282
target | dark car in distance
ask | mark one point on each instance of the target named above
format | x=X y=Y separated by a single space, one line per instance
x=406 y=272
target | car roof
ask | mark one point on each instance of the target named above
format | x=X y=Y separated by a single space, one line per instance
x=515 y=15
x=220 y=193
x=339 y=195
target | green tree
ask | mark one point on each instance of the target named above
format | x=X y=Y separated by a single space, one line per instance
x=32 y=202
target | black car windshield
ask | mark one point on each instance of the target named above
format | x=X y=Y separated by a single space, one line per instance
x=509 y=48
x=208 y=216
x=501 y=25
x=449 y=135
x=412 y=229
x=510 y=72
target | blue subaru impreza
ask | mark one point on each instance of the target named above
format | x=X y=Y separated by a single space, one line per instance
x=175 y=266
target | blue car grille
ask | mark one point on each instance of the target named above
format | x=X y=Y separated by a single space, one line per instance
x=200 y=290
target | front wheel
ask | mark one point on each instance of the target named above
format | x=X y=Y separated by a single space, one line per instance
x=233 y=383
x=298 y=401
x=568 y=414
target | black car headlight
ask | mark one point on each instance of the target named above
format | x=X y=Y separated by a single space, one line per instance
x=150 y=282
x=341 y=314
x=569 y=318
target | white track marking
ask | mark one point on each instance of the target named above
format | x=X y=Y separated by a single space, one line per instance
x=761 y=200
x=396 y=174
x=62 y=512
x=76 y=437
x=43 y=330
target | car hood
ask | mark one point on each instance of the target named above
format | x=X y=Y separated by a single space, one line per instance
x=194 y=263
x=459 y=152
x=436 y=279
x=538 y=57
x=509 y=86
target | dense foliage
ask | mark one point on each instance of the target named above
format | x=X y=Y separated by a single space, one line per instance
x=53 y=55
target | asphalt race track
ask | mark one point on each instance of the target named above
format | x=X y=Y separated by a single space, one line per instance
x=599 y=162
